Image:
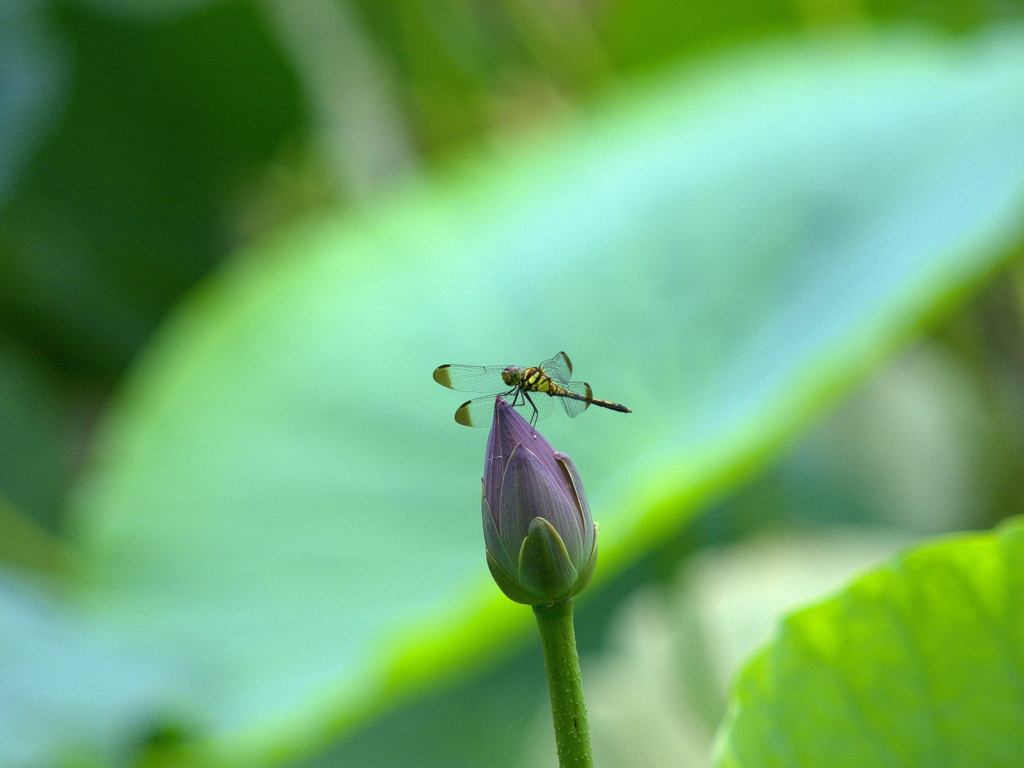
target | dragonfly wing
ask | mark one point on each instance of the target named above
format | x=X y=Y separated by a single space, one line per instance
x=558 y=368
x=572 y=406
x=471 y=378
x=477 y=412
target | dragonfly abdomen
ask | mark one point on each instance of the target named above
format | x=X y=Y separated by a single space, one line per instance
x=563 y=392
x=610 y=405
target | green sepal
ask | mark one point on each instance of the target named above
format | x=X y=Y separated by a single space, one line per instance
x=508 y=584
x=544 y=566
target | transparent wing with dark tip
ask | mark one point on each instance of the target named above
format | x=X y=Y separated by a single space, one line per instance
x=479 y=411
x=471 y=378
x=558 y=368
x=571 y=405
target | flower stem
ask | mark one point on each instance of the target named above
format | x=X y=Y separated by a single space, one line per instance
x=572 y=735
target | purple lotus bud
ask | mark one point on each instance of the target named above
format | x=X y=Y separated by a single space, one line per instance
x=541 y=542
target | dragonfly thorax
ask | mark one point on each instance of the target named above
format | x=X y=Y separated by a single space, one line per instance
x=532 y=379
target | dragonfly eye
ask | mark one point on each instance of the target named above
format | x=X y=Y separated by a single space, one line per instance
x=511 y=375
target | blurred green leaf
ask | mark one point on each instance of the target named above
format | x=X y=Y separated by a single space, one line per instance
x=147 y=10
x=281 y=497
x=123 y=207
x=67 y=693
x=33 y=71
x=35 y=457
x=647 y=32
x=916 y=663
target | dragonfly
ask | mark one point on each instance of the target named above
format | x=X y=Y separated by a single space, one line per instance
x=529 y=390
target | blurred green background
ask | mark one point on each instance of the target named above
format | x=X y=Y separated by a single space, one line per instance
x=144 y=143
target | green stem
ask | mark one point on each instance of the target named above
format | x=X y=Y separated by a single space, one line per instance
x=572 y=735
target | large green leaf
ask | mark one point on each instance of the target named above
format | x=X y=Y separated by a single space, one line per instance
x=920 y=662
x=67 y=693
x=281 y=498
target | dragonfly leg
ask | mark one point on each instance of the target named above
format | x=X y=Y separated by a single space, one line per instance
x=518 y=397
x=536 y=413
x=516 y=394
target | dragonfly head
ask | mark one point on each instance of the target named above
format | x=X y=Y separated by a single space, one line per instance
x=512 y=375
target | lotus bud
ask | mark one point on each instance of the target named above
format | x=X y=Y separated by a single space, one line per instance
x=541 y=541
